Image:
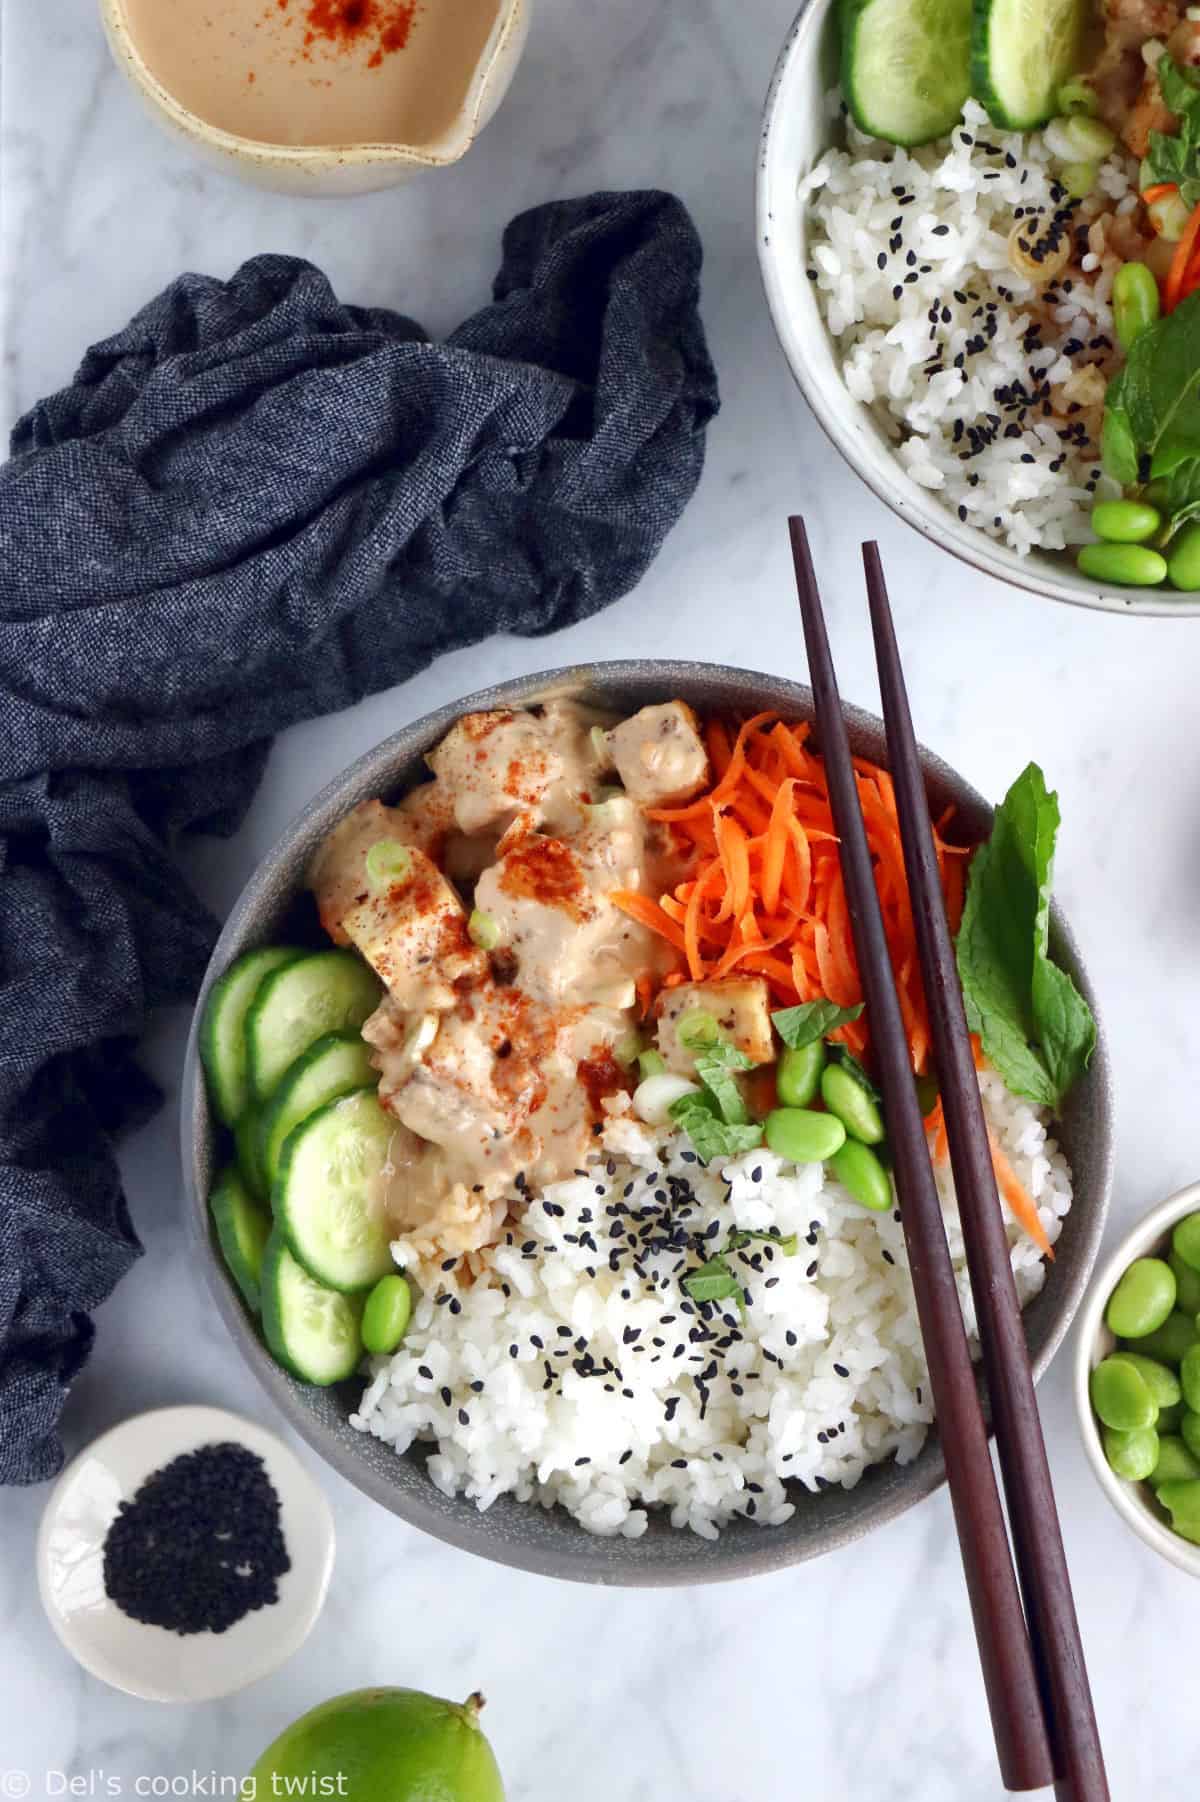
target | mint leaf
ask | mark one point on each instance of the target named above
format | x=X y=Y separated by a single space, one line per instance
x=800 y=1026
x=714 y=1068
x=1036 y=1029
x=1175 y=156
x=713 y=1281
x=1118 y=448
x=1160 y=390
x=741 y=1236
x=711 y=1136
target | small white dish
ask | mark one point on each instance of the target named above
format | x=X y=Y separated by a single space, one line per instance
x=151 y=1662
x=1093 y=1341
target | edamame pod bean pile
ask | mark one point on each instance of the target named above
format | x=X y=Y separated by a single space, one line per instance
x=1146 y=1394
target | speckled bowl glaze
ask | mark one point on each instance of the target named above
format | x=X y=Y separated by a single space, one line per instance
x=796 y=130
x=273 y=906
x=327 y=169
x=1151 y=1238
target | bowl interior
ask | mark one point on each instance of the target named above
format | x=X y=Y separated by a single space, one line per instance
x=1151 y=1238
x=797 y=129
x=274 y=905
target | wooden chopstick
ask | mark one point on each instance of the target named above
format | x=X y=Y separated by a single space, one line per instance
x=1037 y=1537
x=1009 y=1674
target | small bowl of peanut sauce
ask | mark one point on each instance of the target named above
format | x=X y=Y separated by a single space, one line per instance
x=320 y=96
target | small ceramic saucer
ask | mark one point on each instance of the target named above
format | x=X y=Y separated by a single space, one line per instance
x=152 y=1662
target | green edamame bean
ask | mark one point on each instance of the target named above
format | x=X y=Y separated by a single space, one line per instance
x=1185 y=1240
x=1136 y=302
x=1162 y=1382
x=1183 y=563
x=803 y=1135
x=858 y=1169
x=1129 y=565
x=1187 y=1284
x=1189 y=1432
x=798 y=1074
x=386 y=1316
x=1175 y=1463
x=1142 y=1299
x=1189 y=1377
x=1172 y=1339
x=1121 y=1397
x=1182 y=1502
x=849 y=1101
x=1125 y=522
x=1132 y=1455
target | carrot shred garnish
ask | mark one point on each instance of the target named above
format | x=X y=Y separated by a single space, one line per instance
x=776 y=847
x=1181 y=262
x=1157 y=190
x=1018 y=1199
x=648 y=913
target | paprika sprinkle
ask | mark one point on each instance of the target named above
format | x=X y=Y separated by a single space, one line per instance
x=383 y=25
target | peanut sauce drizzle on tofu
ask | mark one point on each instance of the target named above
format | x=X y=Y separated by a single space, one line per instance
x=497 y=1063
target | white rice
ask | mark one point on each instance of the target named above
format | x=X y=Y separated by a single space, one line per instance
x=558 y=1378
x=934 y=224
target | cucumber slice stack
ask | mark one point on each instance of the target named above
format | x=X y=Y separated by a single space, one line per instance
x=906 y=66
x=292 y=1079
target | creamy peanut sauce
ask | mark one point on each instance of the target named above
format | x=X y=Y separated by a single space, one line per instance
x=316 y=72
x=499 y=1064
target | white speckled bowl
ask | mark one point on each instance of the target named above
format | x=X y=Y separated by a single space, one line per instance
x=273 y=906
x=795 y=132
x=151 y=1662
x=1093 y=1341
x=325 y=169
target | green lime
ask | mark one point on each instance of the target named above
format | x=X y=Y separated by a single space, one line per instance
x=382 y=1745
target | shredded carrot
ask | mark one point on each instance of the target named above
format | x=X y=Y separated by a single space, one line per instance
x=648 y=913
x=935 y=1127
x=1173 y=290
x=1157 y=190
x=764 y=890
x=1018 y=1200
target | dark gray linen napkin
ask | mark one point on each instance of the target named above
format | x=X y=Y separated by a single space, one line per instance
x=253 y=505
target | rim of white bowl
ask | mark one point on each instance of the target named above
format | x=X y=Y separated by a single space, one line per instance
x=1093 y=1341
x=775 y=191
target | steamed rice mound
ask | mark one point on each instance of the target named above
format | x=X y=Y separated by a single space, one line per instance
x=574 y=1369
x=989 y=385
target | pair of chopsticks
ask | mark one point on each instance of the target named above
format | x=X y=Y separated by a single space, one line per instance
x=1032 y=1657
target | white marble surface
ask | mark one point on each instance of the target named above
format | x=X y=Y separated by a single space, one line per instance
x=855 y=1678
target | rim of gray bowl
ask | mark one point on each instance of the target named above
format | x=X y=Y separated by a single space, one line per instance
x=969 y=546
x=524 y=1535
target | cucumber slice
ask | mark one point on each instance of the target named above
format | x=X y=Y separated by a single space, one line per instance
x=312 y=1331
x=1021 y=53
x=336 y=1065
x=242 y=1229
x=906 y=66
x=246 y=1143
x=327 y=991
x=325 y=1196
x=223 y=1029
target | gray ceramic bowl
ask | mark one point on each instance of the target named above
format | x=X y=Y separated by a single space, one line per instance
x=273 y=906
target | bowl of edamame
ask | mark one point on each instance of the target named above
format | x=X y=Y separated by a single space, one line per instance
x=1137 y=1379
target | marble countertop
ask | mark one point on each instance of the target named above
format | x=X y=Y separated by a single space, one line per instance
x=855 y=1677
